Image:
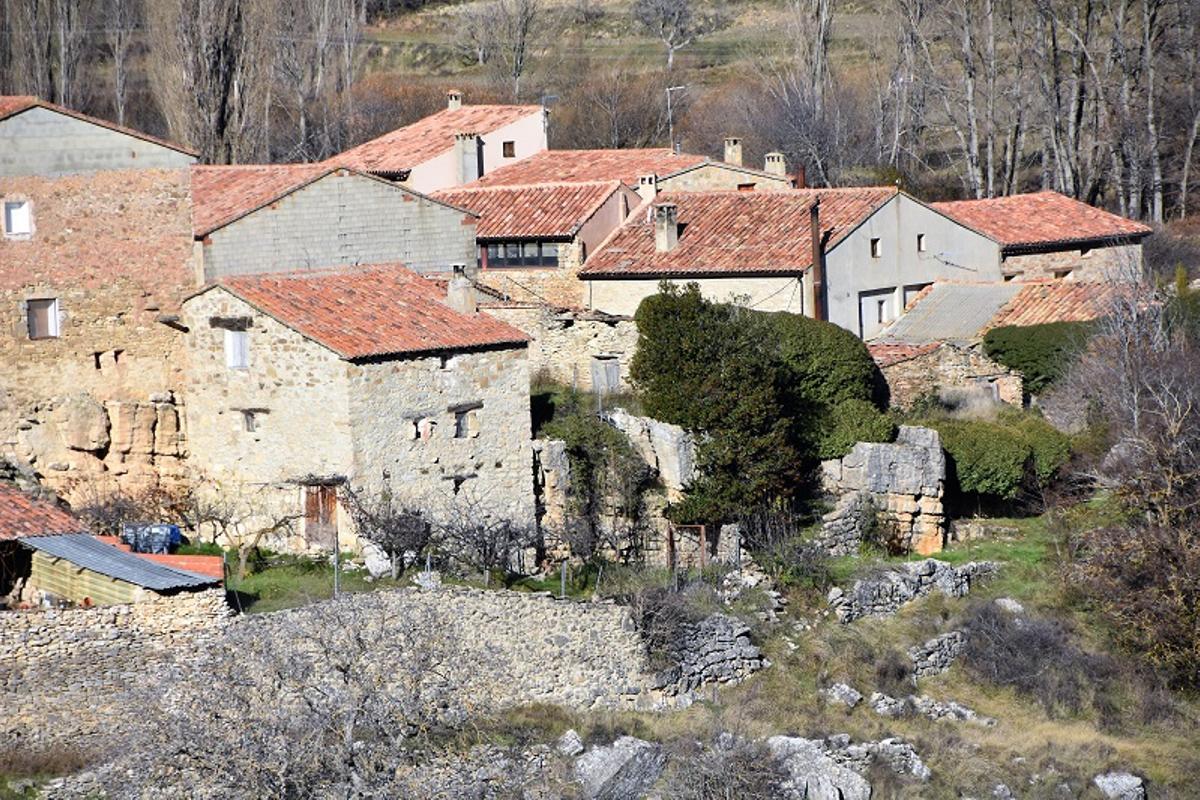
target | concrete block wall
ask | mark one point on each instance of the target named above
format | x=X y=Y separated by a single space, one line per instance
x=44 y=142
x=343 y=218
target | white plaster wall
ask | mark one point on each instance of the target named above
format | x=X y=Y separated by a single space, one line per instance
x=441 y=171
x=765 y=294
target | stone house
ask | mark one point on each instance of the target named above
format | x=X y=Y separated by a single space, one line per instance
x=533 y=239
x=1047 y=235
x=373 y=377
x=650 y=169
x=88 y=299
x=42 y=138
x=284 y=217
x=936 y=345
x=452 y=147
x=874 y=248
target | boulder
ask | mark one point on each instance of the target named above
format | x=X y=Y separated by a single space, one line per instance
x=1120 y=786
x=812 y=774
x=569 y=744
x=887 y=591
x=1010 y=605
x=669 y=449
x=375 y=560
x=624 y=770
x=83 y=423
x=842 y=693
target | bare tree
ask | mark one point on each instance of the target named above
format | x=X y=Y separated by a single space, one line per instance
x=240 y=517
x=401 y=532
x=480 y=538
x=121 y=22
x=519 y=31
x=673 y=21
x=473 y=33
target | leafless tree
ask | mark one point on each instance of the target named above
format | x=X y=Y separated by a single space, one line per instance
x=121 y=22
x=674 y=22
x=520 y=32
x=471 y=533
x=473 y=33
x=238 y=516
x=379 y=518
x=625 y=109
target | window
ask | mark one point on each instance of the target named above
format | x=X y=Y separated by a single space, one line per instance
x=880 y=311
x=237 y=349
x=522 y=254
x=466 y=424
x=425 y=428
x=745 y=187
x=18 y=219
x=920 y=243
x=876 y=248
x=249 y=421
x=510 y=149
x=42 y=318
x=911 y=291
x=549 y=254
x=1062 y=274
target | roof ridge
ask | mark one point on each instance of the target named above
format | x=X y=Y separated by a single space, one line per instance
x=525 y=186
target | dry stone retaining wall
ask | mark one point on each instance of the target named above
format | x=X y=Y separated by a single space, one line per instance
x=885 y=593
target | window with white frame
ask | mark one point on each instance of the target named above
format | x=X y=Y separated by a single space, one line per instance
x=237 y=349
x=41 y=318
x=18 y=219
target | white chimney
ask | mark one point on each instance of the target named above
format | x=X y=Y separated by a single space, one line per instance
x=467 y=155
x=775 y=164
x=666 y=227
x=460 y=292
x=733 y=150
x=647 y=187
x=454 y=99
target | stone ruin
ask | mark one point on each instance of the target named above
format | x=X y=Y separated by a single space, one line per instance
x=899 y=485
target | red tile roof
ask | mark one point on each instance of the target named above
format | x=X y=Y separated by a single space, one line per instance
x=11 y=105
x=888 y=353
x=527 y=212
x=22 y=515
x=404 y=148
x=221 y=195
x=376 y=310
x=585 y=166
x=1040 y=219
x=1062 y=301
x=731 y=232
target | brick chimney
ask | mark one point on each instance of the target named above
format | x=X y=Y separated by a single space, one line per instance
x=460 y=292
x=454 y=99
x=801 y=179
x=666 y=227
x=775 y=164
x=467 y=157
x=733 y=150
x=816 y=276
x=647 y=187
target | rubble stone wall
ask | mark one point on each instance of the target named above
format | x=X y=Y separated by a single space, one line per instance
x=950 y=367
x=1100 y=264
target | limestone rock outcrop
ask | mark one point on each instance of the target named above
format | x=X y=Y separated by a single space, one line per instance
x=625 y=769
x=1120 y=786
x=668 y=449
x=834 y=767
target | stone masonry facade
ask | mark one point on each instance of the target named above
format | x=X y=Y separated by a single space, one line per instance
x=96 y=408
x=1097 y=265
x=343 y=218
x=951 y=367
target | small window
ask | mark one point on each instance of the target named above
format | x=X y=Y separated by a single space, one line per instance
x=18 y=219
x=1062 y=274
x=425 y=428
x=466 y=424
x=920 y=243
x=495 y=256
x=41 y=316
x=1012 y=276
x=512 y=255
x=510 y=149
x=549 y=254
x=249 y=421
x=529 y=256
x=876 y=248
x=237 y=349
x=880 y=311
x=745 y=187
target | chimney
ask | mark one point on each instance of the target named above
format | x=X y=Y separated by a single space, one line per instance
x=733 y=150
x=647 y=187
x=677 y=147
x=467 y=155
x=775 y=164
x=816 y=276
x=666 y=228
x=460 y=293
x=454 y=99
x=801 y=179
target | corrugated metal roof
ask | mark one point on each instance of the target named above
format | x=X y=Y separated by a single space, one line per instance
x=951 y=311
x=84 y=550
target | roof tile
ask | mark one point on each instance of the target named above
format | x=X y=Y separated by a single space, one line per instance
x=1062 y=301
x=222 y=194
x=22 y=515
x=1040 y=219
x=520 y=212
x=586 y=166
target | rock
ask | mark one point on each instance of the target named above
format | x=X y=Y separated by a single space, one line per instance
x=668 y=449
x=1001 y=792
x=428 y=579
x=936 y=655
x=842 y=693
x=1010 y=605
x=83 y=423
x=1120 y=786
x=375 y=560
x=569 y=744
x=886 y=592
x=624 y=770
x=812 y=774
x=715 y=650
x=937 y=710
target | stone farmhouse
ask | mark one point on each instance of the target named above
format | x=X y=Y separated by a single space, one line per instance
x=452 y=147
x=1047 y=235
x=649 y=169
x=936 y=345
x=42 y=138
x=373 y=377
x=873 y=249
x=272 y=218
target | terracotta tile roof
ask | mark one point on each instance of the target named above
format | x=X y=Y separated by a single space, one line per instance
x=888 y=353
x=22 y=515
x=1061 y=301
x=585 y=166
x=732 y=232
x=370 y=311
x=526 y=212
x=221 y=195
x=404 y=148
x=15 y=104
x=1040 y=219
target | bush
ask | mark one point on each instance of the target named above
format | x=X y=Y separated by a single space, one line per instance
x=1041 y=353
x=1000 y=458
x=852 y=421
x=730 y=766
x=826 y=364
x=1049 y=447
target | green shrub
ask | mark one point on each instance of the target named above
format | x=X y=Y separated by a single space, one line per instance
x=825 y=364
x=987 y=457
x=1049 y=447
x=1041 y=353
x=852 y=421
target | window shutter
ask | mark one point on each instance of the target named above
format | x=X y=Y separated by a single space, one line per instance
x=42 y=318
x=17 y=221
x=237 y=350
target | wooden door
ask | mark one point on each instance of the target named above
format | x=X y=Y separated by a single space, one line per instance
x=320 y=516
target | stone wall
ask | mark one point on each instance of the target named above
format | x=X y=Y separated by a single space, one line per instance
x=558 y=287
x=716 y=650
x=886 y=592
x=1098 y=265
x=115 y=249
x=343 y=218
x=951 y=367
x=565 y=344
x=668 y=449
x=722 y=176
x=901 y=485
